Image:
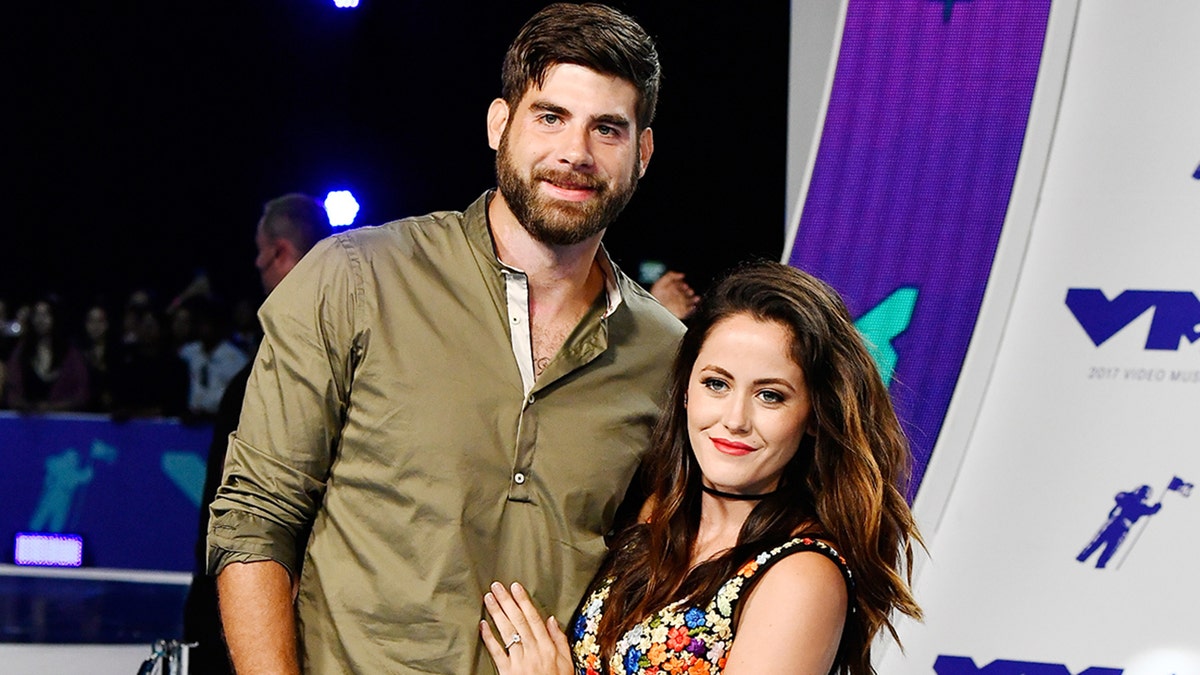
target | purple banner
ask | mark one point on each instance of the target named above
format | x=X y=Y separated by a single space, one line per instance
x=912 y=179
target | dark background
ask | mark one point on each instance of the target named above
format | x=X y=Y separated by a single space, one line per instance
x=141 y=139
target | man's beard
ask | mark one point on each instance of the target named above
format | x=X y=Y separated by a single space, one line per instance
x=558 y=222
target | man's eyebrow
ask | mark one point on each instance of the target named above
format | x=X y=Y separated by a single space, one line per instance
x=546 y=106
x=612 y=120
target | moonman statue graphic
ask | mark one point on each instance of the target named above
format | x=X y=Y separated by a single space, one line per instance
x=1129 y=508
x=64 y=475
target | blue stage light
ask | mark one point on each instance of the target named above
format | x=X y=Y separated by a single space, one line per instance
x=345 y=4
x=342 y=208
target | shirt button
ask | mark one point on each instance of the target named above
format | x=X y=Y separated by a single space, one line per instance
x=519 y=478
x=516 y=319
x=531 y=399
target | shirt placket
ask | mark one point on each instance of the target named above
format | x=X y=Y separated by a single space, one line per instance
x=516 y=292
x=519 y=488
x=516 y=287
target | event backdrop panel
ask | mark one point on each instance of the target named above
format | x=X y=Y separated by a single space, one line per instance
x=911 y=183
x=132 y=490
x=1068 y=542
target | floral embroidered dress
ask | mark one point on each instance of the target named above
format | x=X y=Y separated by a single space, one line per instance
x=681 y=639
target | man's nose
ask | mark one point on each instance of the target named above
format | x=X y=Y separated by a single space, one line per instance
x=576 y=149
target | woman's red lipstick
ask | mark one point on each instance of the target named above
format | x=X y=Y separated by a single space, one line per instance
x=732 y=447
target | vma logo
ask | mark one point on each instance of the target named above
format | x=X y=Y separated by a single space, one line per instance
x=1176 y=315
x=883 y=323
x=964 y=665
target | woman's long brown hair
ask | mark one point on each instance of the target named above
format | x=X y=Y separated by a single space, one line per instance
x=846 y=482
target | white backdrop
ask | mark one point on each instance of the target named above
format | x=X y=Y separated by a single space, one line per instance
x=1063 y=425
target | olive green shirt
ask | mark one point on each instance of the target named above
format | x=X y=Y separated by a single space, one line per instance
x=387 y=411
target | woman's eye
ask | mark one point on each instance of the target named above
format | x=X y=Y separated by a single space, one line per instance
x=769 y=396
x=714 y=384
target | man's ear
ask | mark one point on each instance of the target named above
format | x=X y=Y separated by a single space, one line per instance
x=497 y=119
x=286 y=257
x=286 y=251
x=645 y=149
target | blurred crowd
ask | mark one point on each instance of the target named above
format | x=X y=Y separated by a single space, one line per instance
x=143 y=357
x=147 y=357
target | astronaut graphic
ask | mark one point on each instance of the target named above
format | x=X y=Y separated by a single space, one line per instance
x=1129 y=508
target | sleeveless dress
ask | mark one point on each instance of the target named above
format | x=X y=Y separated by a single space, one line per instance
x=679 y=638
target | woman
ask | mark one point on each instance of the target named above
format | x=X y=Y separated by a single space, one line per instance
x=46 y=373
x=775 y=512
x=148 y=378
x=99 y=352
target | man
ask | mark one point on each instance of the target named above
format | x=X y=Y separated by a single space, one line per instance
x=457 y=398
x=211 y=357
x=290 y=225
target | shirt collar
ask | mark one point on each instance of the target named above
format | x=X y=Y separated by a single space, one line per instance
x=480 y=234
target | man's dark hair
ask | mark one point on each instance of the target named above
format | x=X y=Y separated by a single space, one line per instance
x=297 y=218
x=590 y=35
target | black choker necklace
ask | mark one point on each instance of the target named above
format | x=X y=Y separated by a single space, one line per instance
x=733 y=495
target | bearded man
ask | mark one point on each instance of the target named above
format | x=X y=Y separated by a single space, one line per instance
x=453 y=399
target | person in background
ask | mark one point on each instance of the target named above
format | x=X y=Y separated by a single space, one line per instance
x=452 y=398
x=45 y=372
x=674 y=292
x=181 y=319
x=149 y=379
x=10 y=332
x=776 y=537
x=99 y=350
x=199 y=287
x=290 y=225
x=246 y=333
x=138 y=305
x=211 y=357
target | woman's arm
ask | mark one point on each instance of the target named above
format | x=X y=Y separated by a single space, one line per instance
x=792 y=619
x=527 y=644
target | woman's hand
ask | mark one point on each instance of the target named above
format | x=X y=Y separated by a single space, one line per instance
x=527 y=644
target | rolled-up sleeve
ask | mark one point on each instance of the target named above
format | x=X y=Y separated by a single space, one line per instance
x=290 y=426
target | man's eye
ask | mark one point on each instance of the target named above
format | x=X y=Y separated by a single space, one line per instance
x=550 y=118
